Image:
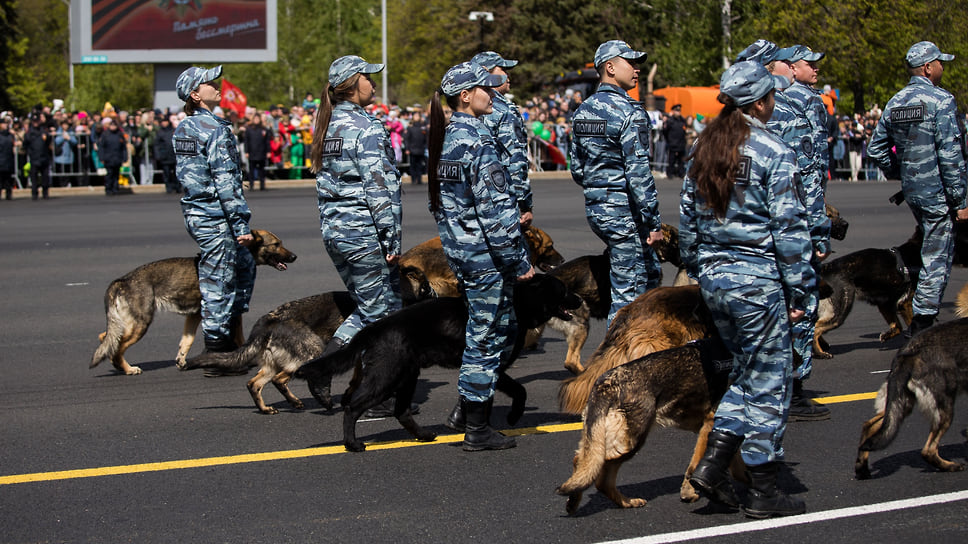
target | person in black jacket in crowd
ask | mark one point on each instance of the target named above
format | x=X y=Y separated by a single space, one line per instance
x=163 y=151
x=112 y=149
x=257 y=138
x=415 y=144
x=37 y=143
x=674 y=131
x=8 y=142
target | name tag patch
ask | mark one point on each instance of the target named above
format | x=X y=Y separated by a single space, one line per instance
x=908 y=114
x=744 y=171
x=333 y=147
x=589 y=127
x=448 y=171
x=185 y=146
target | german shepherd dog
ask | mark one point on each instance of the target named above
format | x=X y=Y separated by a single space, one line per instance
x=169 y=284
x=388 y=355
x=283 y=339
x=429 y=258
x=587 y=277
x=678 y=387
x=885 y=278
x=929 y=372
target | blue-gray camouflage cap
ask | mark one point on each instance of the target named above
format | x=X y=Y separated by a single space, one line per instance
x=765 y=52
x=344 y=67
x=617 y=48
x=802 y=52
x=922 y=53
x=490 y=59
x=468 y=75
x=748 y=81
x=190 y=79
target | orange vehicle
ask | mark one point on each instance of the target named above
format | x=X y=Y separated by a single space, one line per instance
x=701 y=100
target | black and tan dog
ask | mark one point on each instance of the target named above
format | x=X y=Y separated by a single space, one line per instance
x=928 y=372
x=283 y=339
x=678 y=387
x=387 y=355
x=169 y=284
x=429 y=258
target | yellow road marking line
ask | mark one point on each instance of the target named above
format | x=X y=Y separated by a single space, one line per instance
x=307 y=452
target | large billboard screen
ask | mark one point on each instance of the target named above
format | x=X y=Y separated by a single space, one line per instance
x=173 y=31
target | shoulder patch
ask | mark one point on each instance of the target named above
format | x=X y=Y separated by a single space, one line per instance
x=448 y=171
x=645 y=133
x=589 y=127
x=185 y=146
x=498 y=179
x=744 y=171
x=908 y=114
x=333 y=147
x=806 y=145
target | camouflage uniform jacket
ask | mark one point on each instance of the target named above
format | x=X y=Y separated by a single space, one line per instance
x=477 y=221
x=208 y=165
x=808 y=100
x=764 y=233
x=507 y=126
x=792 y=126
x=919 y=121
x=358 y=185
x=610 y=160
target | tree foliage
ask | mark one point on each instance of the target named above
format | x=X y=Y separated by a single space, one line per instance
x=865 y=42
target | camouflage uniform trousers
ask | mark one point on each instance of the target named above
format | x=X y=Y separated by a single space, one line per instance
x=226 y=275
x=633 y=269
x=490 y=334
x=751 y=316
x=802 y=332
x=372 y=283
x=937 y=253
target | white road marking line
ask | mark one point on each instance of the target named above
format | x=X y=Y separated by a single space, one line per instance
x=815 y=517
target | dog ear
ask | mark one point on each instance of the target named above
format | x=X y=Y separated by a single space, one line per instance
x=256 y=236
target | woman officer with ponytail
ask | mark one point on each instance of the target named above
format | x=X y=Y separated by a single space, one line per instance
x=358 y=192
x=478 y=223
x=743 y=234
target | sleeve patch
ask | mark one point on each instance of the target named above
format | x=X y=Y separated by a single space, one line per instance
x=744 y=171
x=806 y=146
x=448 y=171
x=498 y=178
x=645 y=134
x=185 y=146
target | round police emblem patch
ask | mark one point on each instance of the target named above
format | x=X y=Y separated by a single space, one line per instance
x=806 y=145
x=498 y=177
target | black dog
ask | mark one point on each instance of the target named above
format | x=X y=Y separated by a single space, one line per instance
x=388 y=355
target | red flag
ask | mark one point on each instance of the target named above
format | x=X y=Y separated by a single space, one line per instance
x=554 y=153
x=232 y=98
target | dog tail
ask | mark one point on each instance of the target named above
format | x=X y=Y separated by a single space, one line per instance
x=590 y=456
x=228 y=363
x=325 y=367
x=897 y=400
x=961 y=306
x=115 y=310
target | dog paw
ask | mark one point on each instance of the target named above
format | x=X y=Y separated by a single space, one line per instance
x=822 y=355
x=862 y=472
x=426 y=436
x=133 y=371
x=572 y=505
x=270 y=411
x=687 y=493
x=887 y=335
x=354 y=446
x=298 y=405
x=633 y=503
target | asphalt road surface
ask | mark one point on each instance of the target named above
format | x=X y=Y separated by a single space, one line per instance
x=167 y=456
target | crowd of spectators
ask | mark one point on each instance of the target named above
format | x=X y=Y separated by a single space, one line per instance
x=275 y=141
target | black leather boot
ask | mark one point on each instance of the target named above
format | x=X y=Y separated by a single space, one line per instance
x=456 y=420
x=219 y=345
x=803 y=408
x=478 y=434
x=710 y=477
x=918 y=323
x=765 y=500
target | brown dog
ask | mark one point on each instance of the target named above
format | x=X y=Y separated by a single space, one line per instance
x=168 y=284
x=929 y=372
x=429 y=258
x=678 y=387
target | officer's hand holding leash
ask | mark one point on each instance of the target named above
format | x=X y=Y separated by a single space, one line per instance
x=392 y=259
x=244 y=240
x=795 y=315
x=962 y=215
x=527 y=275
x=654 y=236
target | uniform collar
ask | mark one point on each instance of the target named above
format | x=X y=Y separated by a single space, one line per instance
x=805 y=86
x=610 y=88
x=754 y=122
x=200 y=111
x=920 y=80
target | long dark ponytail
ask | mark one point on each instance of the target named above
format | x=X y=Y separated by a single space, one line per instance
x=329 y=97
x=435 y=145
x=716 y=157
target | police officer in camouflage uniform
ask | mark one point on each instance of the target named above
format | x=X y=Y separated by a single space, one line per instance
x=610 y=160
x=472 y=202
x=216 y=214
x=790 y=123
x=919 y=123
x=507 y=126
x=803 y=94
x=358 y=193
x=743 y=233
